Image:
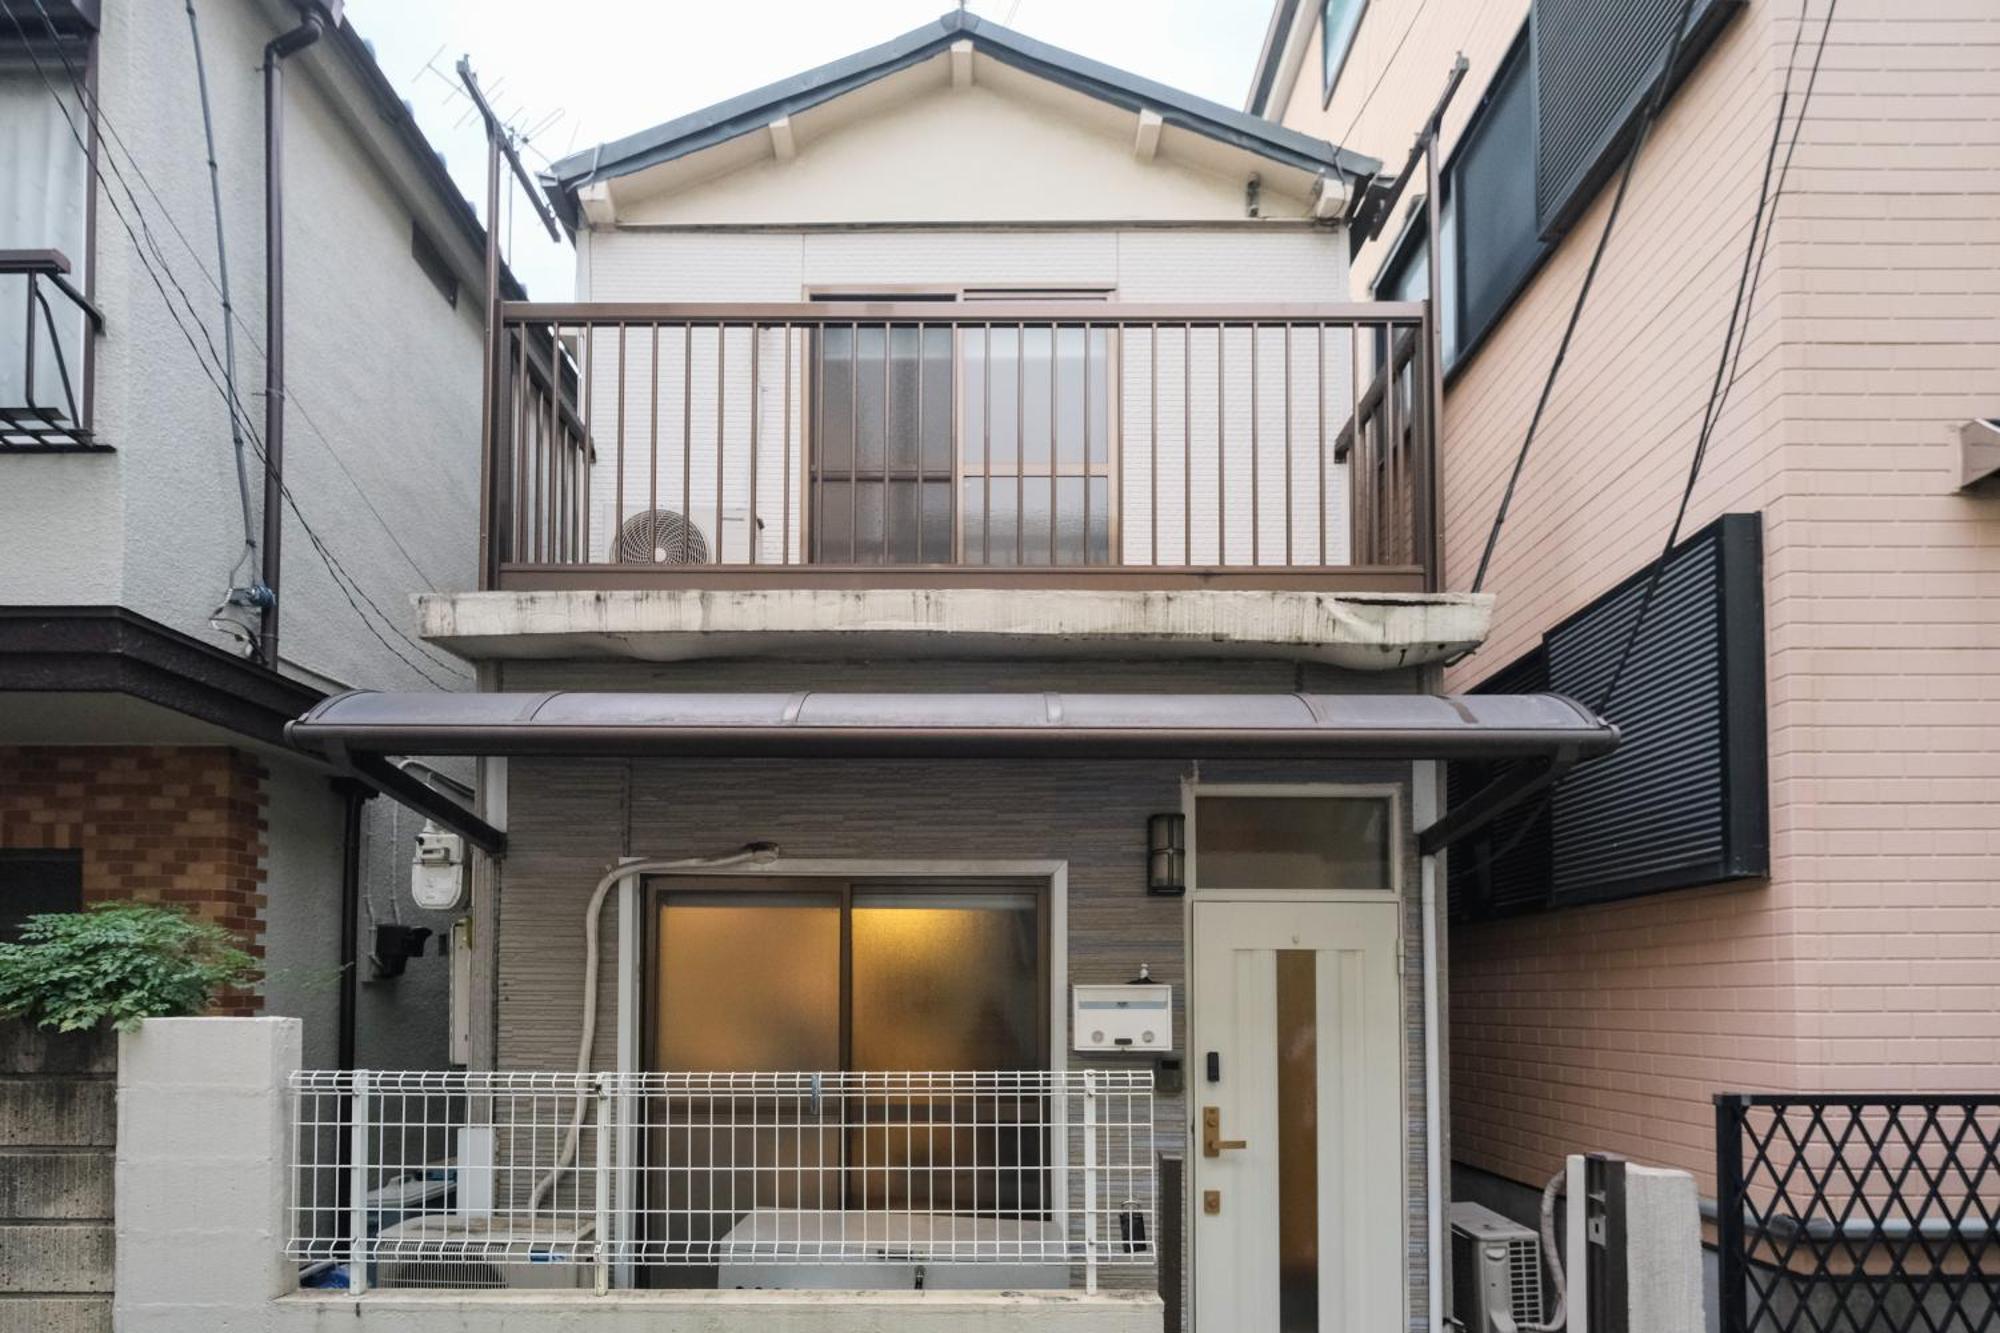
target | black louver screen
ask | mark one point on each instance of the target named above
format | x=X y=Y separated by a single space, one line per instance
x=1504 y=868
x=1593 y=62
x=1682 y=801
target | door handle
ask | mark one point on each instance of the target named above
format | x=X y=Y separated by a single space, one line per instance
x=1212 y=1142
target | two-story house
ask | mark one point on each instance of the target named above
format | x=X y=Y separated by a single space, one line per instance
x=1797 y=904
x=958 y=635
x=167 y=492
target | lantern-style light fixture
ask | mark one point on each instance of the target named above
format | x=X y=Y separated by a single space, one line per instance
x=1166 y=855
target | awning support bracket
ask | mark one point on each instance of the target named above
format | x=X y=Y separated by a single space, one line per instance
x=1496 y=798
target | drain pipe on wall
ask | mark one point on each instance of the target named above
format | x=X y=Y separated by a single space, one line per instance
x=315 y=17
x=1424 y=803
x=354 y=796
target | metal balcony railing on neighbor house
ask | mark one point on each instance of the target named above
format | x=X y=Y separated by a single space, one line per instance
x=1861 y=1214
x=461 y=1179
x=46 y=354
x=1003 y=443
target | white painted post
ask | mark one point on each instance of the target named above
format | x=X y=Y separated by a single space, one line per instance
x=357 y=1187
x=1090 y=1181
x=605 y=1129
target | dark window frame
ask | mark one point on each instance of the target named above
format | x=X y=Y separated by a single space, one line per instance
x=73 y=45
x=64 y=863
x=1705 y=26
x=431 y=259
x=1332 y=66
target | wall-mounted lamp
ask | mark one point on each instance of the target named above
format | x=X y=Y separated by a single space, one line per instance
x=1166 y=855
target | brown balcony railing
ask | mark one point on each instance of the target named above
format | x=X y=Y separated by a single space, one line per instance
x=46 y=353
x=998 y=444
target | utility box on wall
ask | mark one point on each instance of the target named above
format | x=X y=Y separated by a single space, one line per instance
x=1122 y=1018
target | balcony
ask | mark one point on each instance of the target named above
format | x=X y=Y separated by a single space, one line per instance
x=1112 y=466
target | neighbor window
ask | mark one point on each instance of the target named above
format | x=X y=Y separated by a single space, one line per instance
x=1549 y=130
x=1338 y=21
x=1293 y=842
x=44 y=171
x=36 y=882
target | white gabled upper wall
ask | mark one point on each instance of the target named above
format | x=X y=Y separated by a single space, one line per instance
x=914 y=147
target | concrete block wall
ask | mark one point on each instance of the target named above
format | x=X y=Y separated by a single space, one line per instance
x=204 y=1137
x=57 y=1137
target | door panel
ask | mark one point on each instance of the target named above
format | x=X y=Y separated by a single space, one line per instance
x=1298 y=1002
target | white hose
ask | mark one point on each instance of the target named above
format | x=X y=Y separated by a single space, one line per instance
x=1552 y=1258
x=592 y=919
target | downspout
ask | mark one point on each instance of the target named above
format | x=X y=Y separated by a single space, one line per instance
x=313 y=23
x=354 y=796
x=1424 y=803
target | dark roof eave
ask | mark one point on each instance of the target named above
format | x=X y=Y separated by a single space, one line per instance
x=751 y=111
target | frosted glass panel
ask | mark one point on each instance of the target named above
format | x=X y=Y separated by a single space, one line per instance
x=1292 y=842
x=944 y=982
x=1298 y=1142
x=748 y=982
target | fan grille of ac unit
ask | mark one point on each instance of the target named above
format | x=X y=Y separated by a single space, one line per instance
x=661 y=537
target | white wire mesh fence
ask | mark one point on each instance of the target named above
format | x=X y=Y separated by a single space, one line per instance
x=454 y=1179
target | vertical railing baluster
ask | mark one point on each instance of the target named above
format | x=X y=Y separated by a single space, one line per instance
x=1153 y=457
x=1020 y=444
x=1359 y=542
x=1090 y=1181
x=1288 y=444
x=1187 y=443
x=522 y=474
x=1730 y=1267
x=1221 y=445
x=1055 y=429
x=614 y=539
x=888 y=362
x=605 y=1119
x=721 y=404
x=587 y=334
x=1086 y=443
x=922 y=362
x=1256 y=460
x=785 y=472
x=551 y=445
x=1319 y=415
x=653 y=423
x=687 y=442
x=357 y=1185
x=756 y=336
x=986 y=453
x=854 y=444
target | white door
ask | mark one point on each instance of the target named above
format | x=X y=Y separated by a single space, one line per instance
x=1296 y=1093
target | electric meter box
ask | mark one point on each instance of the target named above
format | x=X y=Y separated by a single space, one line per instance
x=1122 y=1018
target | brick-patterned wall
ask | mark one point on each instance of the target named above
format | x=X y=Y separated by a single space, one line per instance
x=160 y=824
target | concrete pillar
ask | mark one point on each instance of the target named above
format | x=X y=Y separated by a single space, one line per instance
x=203 y=1145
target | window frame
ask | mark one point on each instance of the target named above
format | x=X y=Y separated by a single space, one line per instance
x=1393 y=793
x=76 y=43
x=1331 y=67
x=959 y=296
x=843 y=889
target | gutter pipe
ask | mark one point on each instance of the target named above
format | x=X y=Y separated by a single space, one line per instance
x=314 y=21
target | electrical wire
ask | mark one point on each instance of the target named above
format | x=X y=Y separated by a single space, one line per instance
x=349 y=588
x=1654 y=101
x=1382 y=73
x=1736 y=335
x=228 y=311
x=115 y=143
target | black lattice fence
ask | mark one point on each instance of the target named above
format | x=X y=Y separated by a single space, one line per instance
x=1858 y=1214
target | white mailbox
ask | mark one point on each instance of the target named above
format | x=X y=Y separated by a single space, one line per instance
x=1122 y=1018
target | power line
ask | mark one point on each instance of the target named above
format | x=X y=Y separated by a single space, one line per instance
x=1382 y=73
x=1653 y=103
x=1763 y=223
x=349 y=587
x=114 y=139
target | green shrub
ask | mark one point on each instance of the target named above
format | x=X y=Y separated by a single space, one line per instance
x=117 y=963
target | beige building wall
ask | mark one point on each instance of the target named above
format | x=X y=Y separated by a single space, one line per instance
x=1865 y=961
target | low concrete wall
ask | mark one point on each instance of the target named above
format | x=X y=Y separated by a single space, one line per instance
x=204 y=1143
x=57 y=1129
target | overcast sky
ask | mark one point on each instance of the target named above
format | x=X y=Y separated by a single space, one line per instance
x=577 y=73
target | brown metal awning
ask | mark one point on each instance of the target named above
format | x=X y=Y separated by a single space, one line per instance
x=811 y=724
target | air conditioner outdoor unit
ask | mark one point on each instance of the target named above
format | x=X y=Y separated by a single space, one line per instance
x=1496 y=1271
